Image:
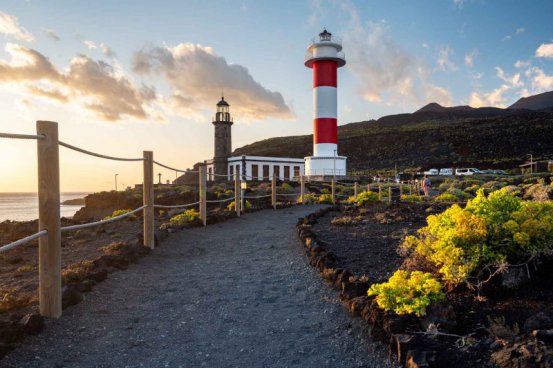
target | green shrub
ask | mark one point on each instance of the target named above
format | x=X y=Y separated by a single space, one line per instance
x=325 y=191
x=406 y=293
x=489 y=232
x=366 y=197
x=459 y=193
x=412 y=198
x=119 y=213
x=187 y=216
x=232 y=205
x=446 y=197
x=309 y=198
x=287 y=188
x=325 y=198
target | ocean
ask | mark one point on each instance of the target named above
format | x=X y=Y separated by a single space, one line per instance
x=24 y=206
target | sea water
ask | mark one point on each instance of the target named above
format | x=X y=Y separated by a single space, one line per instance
x=24 y=206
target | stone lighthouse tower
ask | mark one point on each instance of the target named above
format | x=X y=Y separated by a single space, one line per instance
x=223 y=142
x=325 y=56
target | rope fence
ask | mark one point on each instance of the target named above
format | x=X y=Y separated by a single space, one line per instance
x=221 y=200
x=22 y=136
x=74 y=148
x=101 y=222
x=15 y=244
x=178 y=205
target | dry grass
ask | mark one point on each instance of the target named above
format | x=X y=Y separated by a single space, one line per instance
x=76 y=272
x=11 y=299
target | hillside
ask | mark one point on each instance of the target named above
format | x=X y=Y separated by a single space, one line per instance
x=536 y=102
x=484 y=137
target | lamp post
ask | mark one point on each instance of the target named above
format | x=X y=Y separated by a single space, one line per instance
x=116 y=182
x=531 y=163
x=334 y=165
x=159 y=175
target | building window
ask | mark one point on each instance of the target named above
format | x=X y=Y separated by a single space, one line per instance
x=266 y=172
x=297 y=171
x=255 y=172
x=276 y=172
x=210 y=176
x=286 y=172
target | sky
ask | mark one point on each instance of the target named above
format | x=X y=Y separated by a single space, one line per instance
x=123 y=76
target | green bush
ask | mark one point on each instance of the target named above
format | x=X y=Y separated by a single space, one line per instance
x=406 y=293
x=490 y=231
x=446 y=197
x=187 y=216
x=366 y=197
x=325 y=191
x=325 y=198
x=287 y=188
x=309 y=198
x=232 y=205
x=412 y=198
x=119 y=213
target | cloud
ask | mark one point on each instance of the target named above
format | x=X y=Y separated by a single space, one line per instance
x=91 y=84
x=51 y=34
x=9 y=25
x=541 y=82
x=521 y=64
x=425 y=45
x=469 y=58
x=459 y=3
x=386 y=73
x=197 y=76
x=545 y=51
x=444 y=62
x=91 y=45
x=108 y=51
x=494 y=98
x=514 y=80
x=519 y=30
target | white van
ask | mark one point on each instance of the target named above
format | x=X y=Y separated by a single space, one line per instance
x=432 y=172
x=446 y=172
x=469 y=171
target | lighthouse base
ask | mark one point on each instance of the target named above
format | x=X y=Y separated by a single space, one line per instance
x=325 y=166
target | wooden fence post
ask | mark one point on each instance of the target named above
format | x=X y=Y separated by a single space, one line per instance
x=379 y=192
x=302 y=189
x=49 y=246
x=355 y=190
x=203 y=195
x=273 y=192
x=237 y=194
x=333 y=182
x=148 y=198
x=369 y=187
x=390 y=194
x=400 y=189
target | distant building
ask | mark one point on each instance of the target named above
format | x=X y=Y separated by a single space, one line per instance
x=536 y=167
x=223 y=166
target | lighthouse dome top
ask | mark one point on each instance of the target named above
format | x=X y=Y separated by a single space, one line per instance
x=222 y=102
x=325 y=47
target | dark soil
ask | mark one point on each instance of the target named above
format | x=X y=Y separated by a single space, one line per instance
x=500 y=328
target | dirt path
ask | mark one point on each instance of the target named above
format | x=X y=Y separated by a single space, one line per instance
x=236 y=294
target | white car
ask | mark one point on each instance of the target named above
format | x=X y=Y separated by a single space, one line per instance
x=469 y=171
x=432 y=172
x=446 y=172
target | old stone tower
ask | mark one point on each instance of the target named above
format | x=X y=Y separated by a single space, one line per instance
x=223 y=141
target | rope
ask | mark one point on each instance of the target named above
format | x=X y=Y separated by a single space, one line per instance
x=17 y=243
x=97 y=154
x=283 y=194
x=225 y=175
x=171 y=168
x=254 y=197
x=22 y=136
x=177 y=206
x=222 y=200
x=101 y=222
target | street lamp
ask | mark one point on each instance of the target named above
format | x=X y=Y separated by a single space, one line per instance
x=334 y=164
x=116 y=182
x=159 y=175
x=531 y=163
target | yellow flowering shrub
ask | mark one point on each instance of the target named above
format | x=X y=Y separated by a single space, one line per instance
x=406 y=293
x=190 y=215
x=364 y=198
x=325 y=198
x=412 y=198
x=490 y=230
x=232 y=205
x=446 y=197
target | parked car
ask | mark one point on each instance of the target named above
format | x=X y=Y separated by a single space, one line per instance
x=468 y=171
x=446 y=172
x=432 y=172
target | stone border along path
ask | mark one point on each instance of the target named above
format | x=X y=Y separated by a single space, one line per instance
x=234 y=294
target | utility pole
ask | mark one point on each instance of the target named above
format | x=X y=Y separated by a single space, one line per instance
x=116 y=182
x=159 y=175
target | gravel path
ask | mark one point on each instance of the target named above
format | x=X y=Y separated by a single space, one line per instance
x=235 y=294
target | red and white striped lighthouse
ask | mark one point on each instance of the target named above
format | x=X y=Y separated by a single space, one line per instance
x=325 y=56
